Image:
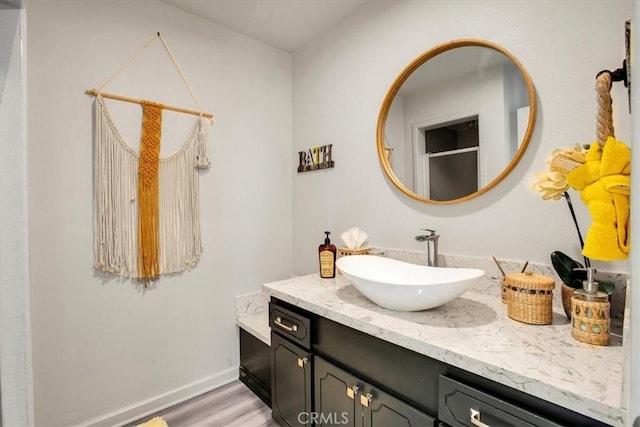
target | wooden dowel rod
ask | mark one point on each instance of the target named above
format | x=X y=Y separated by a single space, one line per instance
x=94 y=92
x=499 y=266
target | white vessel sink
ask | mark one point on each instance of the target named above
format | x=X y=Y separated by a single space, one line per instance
x=401 y=286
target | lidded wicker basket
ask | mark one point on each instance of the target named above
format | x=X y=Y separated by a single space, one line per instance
x=529 y=297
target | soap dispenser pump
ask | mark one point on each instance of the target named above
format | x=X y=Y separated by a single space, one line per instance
x=589 y=291
x=590 y=317
x=327 y=257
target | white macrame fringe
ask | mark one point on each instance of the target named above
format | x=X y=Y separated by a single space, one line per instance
x=116 y=205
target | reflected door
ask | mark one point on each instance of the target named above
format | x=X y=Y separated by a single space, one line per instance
x=450 y=163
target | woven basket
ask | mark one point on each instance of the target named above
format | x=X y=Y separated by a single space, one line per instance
x=529 y=297
x=590 y=321
x=346 y=252
x=358 y=251
x=504 y=289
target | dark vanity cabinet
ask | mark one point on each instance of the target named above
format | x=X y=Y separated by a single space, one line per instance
x=336 y=395
x=255 y=365
x=346 y=400
x=327 y=374
x=308 y=388
x=291 y=367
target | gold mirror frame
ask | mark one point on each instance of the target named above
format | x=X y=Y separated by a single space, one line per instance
x=404 y=75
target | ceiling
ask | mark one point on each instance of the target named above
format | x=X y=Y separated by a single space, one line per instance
x=285 y=24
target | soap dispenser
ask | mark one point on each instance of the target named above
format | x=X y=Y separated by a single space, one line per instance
x=590 y=317
x=327 y=257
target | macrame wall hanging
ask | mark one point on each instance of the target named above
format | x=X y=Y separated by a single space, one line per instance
x=146 y=208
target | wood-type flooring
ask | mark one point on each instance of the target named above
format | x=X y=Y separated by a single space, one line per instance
x=232 y=405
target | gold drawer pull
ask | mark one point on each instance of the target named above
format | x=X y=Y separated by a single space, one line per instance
x=302 y=361
x=365 y=399
x=278 y=322
x=475 y=418
x=352 y=391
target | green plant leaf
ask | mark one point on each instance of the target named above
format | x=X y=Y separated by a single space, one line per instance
x=564 y=266
x=576 y=284
x=606 y=286
x=577 y=277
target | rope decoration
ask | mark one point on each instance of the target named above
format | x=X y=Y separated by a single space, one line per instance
x=148 y=166
x=199 y=112
x=604 y=117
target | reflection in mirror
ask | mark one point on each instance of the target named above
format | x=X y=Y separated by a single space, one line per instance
x=456 y=120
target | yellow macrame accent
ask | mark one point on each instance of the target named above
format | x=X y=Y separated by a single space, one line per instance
x=148 y=190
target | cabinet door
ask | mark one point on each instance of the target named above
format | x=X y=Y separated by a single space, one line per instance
x=336 y=396
x=290 y=383
x=342 y=399
x=380 y=409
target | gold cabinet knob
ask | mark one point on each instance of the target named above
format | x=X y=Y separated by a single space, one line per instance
x=302 y=361
x=352 y=391
x=365 y=399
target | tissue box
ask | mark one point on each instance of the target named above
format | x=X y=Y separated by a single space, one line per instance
x=359 y=251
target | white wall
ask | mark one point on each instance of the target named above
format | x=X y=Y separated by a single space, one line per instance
x=102 y=347
x=341 y=79
x=15 y=329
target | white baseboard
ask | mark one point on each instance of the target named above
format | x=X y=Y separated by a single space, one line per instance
x=147 y=407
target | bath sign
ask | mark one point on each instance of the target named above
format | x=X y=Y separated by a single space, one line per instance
x=315 y=158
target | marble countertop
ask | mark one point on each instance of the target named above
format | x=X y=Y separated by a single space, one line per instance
x=257 y=325
x=252 y=315
x=474 y=333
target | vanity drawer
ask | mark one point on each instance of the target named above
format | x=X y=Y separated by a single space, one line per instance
x=461 y=405
x=291 y=325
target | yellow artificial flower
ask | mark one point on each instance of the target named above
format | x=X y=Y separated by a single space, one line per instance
x=566 y=159
x=551 y=185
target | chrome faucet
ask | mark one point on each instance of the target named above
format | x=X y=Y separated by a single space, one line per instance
x=432 y=240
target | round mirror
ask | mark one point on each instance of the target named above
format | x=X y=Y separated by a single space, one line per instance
x=456 y=121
